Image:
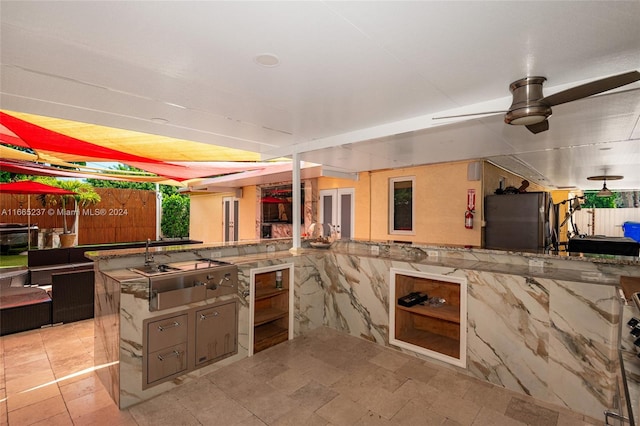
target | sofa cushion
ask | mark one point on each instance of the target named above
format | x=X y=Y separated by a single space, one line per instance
x=22 y=296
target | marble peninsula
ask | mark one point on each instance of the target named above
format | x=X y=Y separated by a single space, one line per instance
x=547 y=328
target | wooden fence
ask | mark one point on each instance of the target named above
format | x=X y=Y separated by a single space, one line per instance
x=123 y=215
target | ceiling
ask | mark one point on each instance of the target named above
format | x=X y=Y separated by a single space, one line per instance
x=357 y=86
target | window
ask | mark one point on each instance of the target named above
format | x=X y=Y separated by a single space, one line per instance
x=401 y=205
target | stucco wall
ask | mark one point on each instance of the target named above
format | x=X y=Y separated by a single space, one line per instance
x=206 y=220
x=440 y=203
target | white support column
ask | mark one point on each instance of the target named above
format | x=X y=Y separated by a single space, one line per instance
x=158 y=211
x=296 y=184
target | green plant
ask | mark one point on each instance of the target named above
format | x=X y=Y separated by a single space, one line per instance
x=175 y=216
x=84 y=195
x=592 y=200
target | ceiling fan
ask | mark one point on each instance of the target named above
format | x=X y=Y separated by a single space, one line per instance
x=531 y=109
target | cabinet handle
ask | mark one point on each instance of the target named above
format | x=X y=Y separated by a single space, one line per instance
x=205 y=316
x=171 y=354
x=163 y=327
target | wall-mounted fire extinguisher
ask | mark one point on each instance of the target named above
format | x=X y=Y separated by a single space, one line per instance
x=471 y=206
x=468 y=219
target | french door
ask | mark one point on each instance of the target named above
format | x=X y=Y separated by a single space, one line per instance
x=230 y=219
x=337 y=209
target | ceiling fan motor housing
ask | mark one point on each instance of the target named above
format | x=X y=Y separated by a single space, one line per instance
x=527 y=107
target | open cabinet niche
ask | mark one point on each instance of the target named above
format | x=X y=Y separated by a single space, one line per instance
x=435 y=330
x=271 y=306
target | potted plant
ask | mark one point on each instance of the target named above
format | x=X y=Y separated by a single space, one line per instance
x=85 y=194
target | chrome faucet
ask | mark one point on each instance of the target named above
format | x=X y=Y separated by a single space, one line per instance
x=148 y=258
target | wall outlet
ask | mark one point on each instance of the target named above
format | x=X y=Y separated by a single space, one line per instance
x=216 y=254
x=375 y=250
x=432 y=253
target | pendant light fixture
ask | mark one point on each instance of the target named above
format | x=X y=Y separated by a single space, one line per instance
x=604 y=192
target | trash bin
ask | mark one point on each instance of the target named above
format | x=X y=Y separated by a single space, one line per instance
x=632 y=230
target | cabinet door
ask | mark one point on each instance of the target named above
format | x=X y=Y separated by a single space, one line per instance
x=216 y=332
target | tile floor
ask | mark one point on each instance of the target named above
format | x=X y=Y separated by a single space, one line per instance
x=324 y=378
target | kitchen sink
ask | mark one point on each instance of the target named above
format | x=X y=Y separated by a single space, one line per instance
x=155 y=269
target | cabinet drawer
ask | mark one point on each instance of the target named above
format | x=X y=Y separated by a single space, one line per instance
x=167 y=332
x=166 y=362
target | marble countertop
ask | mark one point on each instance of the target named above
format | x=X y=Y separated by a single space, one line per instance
x=577 y=269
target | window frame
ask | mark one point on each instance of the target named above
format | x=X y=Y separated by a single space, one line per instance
x=392 y=182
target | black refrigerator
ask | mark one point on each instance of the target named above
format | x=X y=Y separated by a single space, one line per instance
x=519 y=222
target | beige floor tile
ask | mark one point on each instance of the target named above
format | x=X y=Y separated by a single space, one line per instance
x=373 y=419
x=417 y=370
x=224 y=411
x=252 y=421
x=37 y=412
x=28 y=382
x=418 y=391
x=565 y=419
x=384 y=379
x=488 y=417
x=199 y=395
x=289 y=381
x=3 y=413
x=162 y=410
x=71 y=365
x=62 y=419
x=416 y=413
x=390 y=360
x=342 y=411
x=23 y=370
x=300 y=416
x=20 y=342
x=268 y=406
x=324 y=373
x=356 y=383
x=487 y=395
x=313 y=395
x=107 y=416
x=382 y=402
x=25 y=398
x=449 y=405
x=79 y=388
x=451 y=383
x=89 y=403
x=530 y=413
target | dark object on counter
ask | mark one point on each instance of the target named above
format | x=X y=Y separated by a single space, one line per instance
x=621 y=246
x=412 y=299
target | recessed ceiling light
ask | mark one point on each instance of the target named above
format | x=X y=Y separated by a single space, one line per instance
x=605 y=149
x=159 y=120
x=267 y=60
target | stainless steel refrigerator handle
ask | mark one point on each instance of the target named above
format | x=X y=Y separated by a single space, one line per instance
x=163 y=327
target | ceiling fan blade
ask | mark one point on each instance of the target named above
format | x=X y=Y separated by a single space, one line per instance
x=542 y=126
x=593 y=88
x=468 y=115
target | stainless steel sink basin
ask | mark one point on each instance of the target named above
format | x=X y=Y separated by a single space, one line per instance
x=155 y=269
